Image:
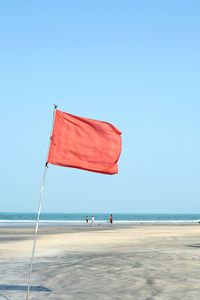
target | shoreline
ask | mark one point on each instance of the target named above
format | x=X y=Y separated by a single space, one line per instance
x=104 y=224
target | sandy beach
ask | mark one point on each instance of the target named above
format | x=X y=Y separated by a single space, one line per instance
x=141 y=262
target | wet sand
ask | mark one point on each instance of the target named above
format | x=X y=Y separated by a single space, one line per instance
x=102 y=262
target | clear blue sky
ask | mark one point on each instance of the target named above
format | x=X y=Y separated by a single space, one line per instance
x=132 y=63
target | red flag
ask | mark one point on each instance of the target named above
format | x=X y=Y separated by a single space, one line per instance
x=84 y=144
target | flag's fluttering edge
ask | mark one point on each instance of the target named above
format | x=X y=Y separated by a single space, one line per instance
x=84 y=144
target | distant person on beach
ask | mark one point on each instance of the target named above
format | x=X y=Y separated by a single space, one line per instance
x=92 y=219
x=86 y=219
x=111 y=218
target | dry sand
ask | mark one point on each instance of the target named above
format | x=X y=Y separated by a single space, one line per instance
x=142 y=262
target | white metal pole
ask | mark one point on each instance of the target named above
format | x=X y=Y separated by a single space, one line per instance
x=39 y=209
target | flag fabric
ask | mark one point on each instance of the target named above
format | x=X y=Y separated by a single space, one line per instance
x=84 y=143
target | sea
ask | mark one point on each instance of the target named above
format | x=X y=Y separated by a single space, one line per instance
x=78 y=218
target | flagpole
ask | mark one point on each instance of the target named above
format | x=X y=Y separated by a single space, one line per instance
x=39 y=209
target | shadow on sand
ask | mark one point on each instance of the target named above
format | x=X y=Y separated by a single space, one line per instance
x=194 y=246
x=8 y=287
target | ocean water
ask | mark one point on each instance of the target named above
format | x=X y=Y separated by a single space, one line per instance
x=6 y=217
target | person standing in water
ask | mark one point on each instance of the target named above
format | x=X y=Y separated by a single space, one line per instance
x=92 y=219
x=86 y=219
x=111 y=218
